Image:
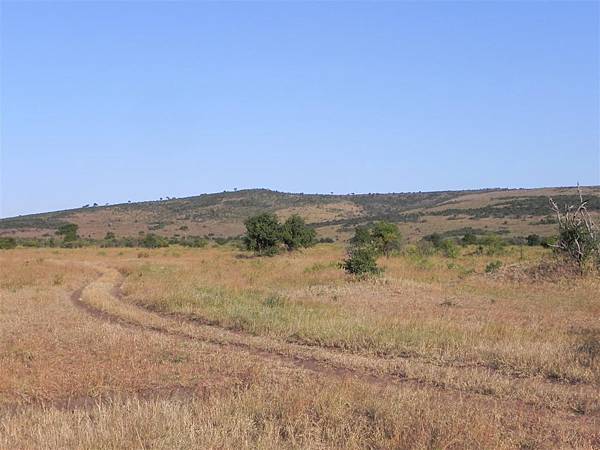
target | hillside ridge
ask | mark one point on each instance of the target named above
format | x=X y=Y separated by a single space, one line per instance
x=502 y=210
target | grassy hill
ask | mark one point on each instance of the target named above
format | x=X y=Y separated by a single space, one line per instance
x=515 y=212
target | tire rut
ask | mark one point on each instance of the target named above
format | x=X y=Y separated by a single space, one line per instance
x=313 y=365
x=207 y=323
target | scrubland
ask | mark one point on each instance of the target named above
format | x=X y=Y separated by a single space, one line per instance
x=213 y=348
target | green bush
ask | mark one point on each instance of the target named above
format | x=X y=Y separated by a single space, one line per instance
x=221 y=240
x=493 y=244
x=493 y=266
x=435 y=238
x=362 y=236
x=129 y=242
x=425 y=248
x=263 y=234
x=384 y=237
x=449 y=248
x=295 y=233
x=68 y=231
x=549 y=241
x=361 y=261
x=154 y=241
x=70 y=244
x=469 y=239
x=7 y=243
x=325 y=240
x=195 y=242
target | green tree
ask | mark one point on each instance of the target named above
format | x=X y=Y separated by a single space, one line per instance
x=68 y=231
x=295 y=233
x=361 y=261
x=263 y=234
x=362 y=236
x=386 y=237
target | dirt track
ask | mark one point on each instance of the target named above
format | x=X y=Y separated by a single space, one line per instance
x=325 y=362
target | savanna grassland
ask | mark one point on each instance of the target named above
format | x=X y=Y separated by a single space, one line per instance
x=214 y=348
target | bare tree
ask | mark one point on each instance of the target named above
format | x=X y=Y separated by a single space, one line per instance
x=578 y=235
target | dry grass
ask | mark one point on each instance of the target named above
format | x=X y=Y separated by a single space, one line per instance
x=438 y=309
x=345 y=416
x=435 y=354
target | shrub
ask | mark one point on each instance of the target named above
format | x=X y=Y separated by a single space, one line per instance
x=493 y=244
x=533 y=240
x=362 y=236
x=449 y=248
x=221 y=240
x=7 y=243
x=578 y=235
x=263 y=234
x=469 y=238
x=295 y=233
x=386 y=237
x=326 y=240
x=129 y=242
x=68 y=231
x=34 y=243
x=435 y=239
x=67 y=244
x=493 y=266
x=195 y=242
x=425 y=248
x=361 y=261
x=153 y=241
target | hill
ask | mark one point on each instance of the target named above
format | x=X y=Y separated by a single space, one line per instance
x=512 y=212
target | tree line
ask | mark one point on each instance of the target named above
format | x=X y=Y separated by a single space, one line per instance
x=578 y=239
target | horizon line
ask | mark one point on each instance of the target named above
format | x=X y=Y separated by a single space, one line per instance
x=330 y=194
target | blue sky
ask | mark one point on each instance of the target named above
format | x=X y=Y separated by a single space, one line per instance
x=109 y=102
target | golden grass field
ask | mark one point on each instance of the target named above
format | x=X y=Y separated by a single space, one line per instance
x=214 y=348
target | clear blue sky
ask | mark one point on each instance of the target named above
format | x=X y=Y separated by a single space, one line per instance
x=109 y=102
